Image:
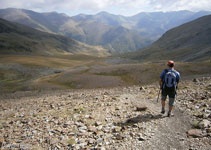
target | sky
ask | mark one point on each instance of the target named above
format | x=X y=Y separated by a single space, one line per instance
x=119 y=7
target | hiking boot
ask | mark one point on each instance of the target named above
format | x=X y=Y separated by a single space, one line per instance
x=170 y=114
x=163 y=112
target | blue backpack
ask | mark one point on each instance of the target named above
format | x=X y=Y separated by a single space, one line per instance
x=170 y=79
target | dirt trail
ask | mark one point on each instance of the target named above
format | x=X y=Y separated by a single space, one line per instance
x=166 y=133
x=106 y=119
x=170 y=132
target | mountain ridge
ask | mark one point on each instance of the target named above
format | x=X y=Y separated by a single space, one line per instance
x=147 y=26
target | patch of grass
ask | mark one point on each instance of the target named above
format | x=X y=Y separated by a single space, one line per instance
x=79 y=110
x=11 y=80
x=128 y=79
x=40 y=61
x=124 y=75
x=69 y=84
x=113 y=73
x=71 y=141
x=85 y=71
x=58 y=113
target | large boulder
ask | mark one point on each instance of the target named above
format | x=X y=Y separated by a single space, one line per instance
x=195 y=133
x=141 y=107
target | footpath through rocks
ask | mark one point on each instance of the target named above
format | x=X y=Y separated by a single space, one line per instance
x=120 y=118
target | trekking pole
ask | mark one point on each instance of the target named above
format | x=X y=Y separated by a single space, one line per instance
x=158 y=95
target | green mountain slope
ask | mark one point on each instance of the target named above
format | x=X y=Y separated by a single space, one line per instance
x=123 y=39
x=188 y=42
x=20 y=39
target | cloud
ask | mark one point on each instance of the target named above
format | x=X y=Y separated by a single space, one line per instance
x=118 y=6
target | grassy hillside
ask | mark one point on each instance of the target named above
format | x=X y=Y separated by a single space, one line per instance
x=188 y=42
x=20 y=72
x=29 y=73
x=20 y=39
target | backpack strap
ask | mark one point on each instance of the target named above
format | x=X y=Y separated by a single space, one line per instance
x=163 y=79
x=176 y=75
x=175 y=72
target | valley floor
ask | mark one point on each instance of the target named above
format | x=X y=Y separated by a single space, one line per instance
x=108 y=119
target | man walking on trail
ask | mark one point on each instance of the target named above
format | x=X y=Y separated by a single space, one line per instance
x=169 y=80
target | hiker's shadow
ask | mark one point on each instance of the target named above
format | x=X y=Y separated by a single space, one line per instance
x=140 y=118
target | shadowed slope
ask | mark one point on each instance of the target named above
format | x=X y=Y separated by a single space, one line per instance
x=16 y=38
x=188 y=42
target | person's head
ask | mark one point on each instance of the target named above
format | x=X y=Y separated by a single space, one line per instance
x=170 y=63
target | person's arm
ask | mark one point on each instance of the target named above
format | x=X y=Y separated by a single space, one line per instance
x=160 y=83
x=161 y=77
x=178 y=78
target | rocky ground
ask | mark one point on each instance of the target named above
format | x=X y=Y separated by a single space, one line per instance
x=118 y=118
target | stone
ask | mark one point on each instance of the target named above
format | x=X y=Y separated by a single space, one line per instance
x=195 y=133
x=118 y=108
x=82 y=145
x=24 y=146
x=100 y=140
x=79 y=124
x=119 y=137
x=142 y=88
x=108 y=119
x=106 y=93
x=60 y=130
x=77 y=147
x=117 y=129
x=141 y=107
x=91 y=141
x=100 y=127
x=208 y=130
x=141 y=139
x=92 y=129
x=103 y=148
x=195 y=80
x=114 y=98
x=82 y=129
x=135 y=125
x=87 y=116
x=97 y=123
x=204 y=124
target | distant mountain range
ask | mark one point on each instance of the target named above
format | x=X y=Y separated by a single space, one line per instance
x=188 y=42
x=19 y=39
x=115 y=32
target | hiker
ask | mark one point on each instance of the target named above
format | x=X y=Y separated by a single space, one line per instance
x=169 y=80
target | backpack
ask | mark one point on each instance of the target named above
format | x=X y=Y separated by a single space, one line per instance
x=170 y=80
